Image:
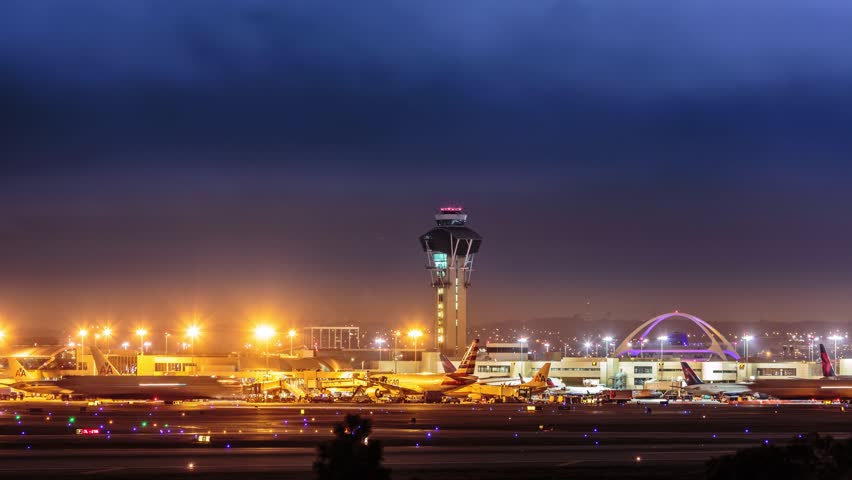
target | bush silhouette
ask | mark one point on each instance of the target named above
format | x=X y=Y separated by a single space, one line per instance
x=352 y=454
x=809 y=457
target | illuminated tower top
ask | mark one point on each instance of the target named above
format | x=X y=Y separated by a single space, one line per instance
x=450 y=216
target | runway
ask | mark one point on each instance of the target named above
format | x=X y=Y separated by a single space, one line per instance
x=427 y=441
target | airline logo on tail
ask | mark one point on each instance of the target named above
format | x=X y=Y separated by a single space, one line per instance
x=21 y=373
x=103 y=366
x=468 y=363
x=541 y=375
x=689 y=375
x=827 y=369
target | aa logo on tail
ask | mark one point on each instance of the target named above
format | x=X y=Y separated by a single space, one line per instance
x=21 y=373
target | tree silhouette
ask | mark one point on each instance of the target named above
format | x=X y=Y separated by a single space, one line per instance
x=809 y=457
x=352 y=454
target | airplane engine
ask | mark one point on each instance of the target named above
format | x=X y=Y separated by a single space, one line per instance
x=374 y=393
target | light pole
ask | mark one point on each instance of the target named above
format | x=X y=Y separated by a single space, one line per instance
x=167 y=334
x=746 y=339
x=813 y=345
x=82 y=334
x=588 y=344
x=395 y=337
x=192 y=332
x=642 y=346
x=546 y=348
x=141 y=332
x=291 y=334
x=662 y=339
x=379 y=342
x=565 y=350
x=836 y=338
x=521 y=342
x=606 y=345
x=107 y=333
x=415 y=334
x=265 y=332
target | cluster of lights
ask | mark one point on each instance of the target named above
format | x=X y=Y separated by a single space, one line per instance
x=192 y=332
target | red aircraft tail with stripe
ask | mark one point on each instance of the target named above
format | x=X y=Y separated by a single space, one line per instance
x=827 y=369
x=468 y=364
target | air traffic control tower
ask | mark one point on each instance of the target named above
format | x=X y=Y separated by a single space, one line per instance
x=450 y=248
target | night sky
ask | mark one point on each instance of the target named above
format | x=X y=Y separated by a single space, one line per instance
x=264 y=158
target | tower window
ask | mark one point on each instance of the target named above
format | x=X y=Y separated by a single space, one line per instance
x=440 y=260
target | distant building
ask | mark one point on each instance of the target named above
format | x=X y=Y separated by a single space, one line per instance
x=516 y=351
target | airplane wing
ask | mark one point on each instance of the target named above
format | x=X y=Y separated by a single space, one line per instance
x=42 y=387
x=498 y=381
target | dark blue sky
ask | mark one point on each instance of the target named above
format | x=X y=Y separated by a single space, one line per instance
x=284 y=156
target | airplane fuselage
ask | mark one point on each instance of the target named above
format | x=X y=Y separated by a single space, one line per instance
x=423 y=382
x=804 y=388
x=717 y=388
x=137 y=387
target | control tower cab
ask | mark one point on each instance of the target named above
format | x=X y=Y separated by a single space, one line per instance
x=450 y=248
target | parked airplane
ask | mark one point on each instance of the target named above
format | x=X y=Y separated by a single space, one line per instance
x=695 y=385
x=584 y=390
x=110 y=384
x=537 y=384
x=420 y=383
x=521 y=381
x=16 y=373
x=829 y=387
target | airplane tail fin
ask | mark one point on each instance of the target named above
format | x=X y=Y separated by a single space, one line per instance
x=447 y=364
x=827 y=369
x=689 y=375
x=103 y=366
x=468 y=363
x=540 y=378
x=19 y=372
x=543 y=372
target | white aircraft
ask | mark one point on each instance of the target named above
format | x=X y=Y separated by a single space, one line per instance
x=695 y=385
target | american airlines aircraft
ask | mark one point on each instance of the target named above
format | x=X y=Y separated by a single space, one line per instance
x=420 y=383
x=537 y=384
x=110 y=384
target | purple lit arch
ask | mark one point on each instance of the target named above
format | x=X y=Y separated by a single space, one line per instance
x=719 y=345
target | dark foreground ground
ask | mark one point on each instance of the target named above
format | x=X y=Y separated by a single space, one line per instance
x=149 y=440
